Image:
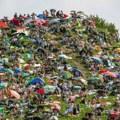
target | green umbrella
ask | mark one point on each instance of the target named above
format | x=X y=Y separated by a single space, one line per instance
x=76 y=87
x=9 y=71
x=94 y=79
x=25 y=74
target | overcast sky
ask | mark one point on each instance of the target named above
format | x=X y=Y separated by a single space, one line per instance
x=107 y=9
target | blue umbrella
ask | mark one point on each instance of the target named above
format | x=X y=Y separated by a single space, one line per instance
x=2 y=70
x=17 y=70
x=96 y=59
x=3 y=84
x=35 y=80
x=41 y=16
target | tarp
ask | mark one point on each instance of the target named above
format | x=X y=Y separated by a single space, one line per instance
x=35 y=80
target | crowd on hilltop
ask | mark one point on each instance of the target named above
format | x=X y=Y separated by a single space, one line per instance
x=38 y=79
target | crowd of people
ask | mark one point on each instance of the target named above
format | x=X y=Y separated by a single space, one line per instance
x=36 y=77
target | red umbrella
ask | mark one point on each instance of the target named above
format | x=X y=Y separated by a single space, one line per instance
x=40 y=91
x=103 y=71
x=113 y=116
x=3 y=25
x=110 y=74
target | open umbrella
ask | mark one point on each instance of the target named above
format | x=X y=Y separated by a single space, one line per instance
x=15 y=94
x=96 y=59
x=3 y=84
x=76 y=87
x=41 y=91
x=64 y=56
x=103 y=71
x=35 y=80
x=9 y=71
x=110 y=74
x=3 y=25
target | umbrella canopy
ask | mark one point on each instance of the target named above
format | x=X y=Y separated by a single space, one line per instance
x=64 y=56
x=15 y=94
x=25 y=74
x=83 y=81
x=3 y=25
x=96 y=59
x=3 y=84
x=49 y=88
x=110 y=74
x=35 y=80
x=40 y=22
x=76 y=87
x=41 y=91
x=103 y=71
x=9 y=71
x=93 y=79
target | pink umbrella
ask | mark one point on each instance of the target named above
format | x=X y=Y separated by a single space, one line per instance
x=110 y=74
x=40 y=22
x=15 y=94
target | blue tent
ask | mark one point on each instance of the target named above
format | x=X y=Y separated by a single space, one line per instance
x=41 y=16
x=35 y=80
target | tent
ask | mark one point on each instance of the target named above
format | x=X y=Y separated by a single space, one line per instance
x=65 y=74
x=35 y=80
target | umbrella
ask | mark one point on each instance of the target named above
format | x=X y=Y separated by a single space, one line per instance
x=83 y=81
x=35 y=80
x=25 y=74
x=15 y=94
x=110 y=74
x=64 y=56
x=17 y=70
x=96 y=59
x=49 y=88
x=94 y=78
x=41 y=16
x=40 y=22
x=9 y=71
x=113 y=116
x=76 y=87
x=40 y=91
x=3 y=84
x=103 y=71
x=3 y=25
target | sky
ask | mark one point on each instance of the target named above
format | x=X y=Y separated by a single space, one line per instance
x=107 y=9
